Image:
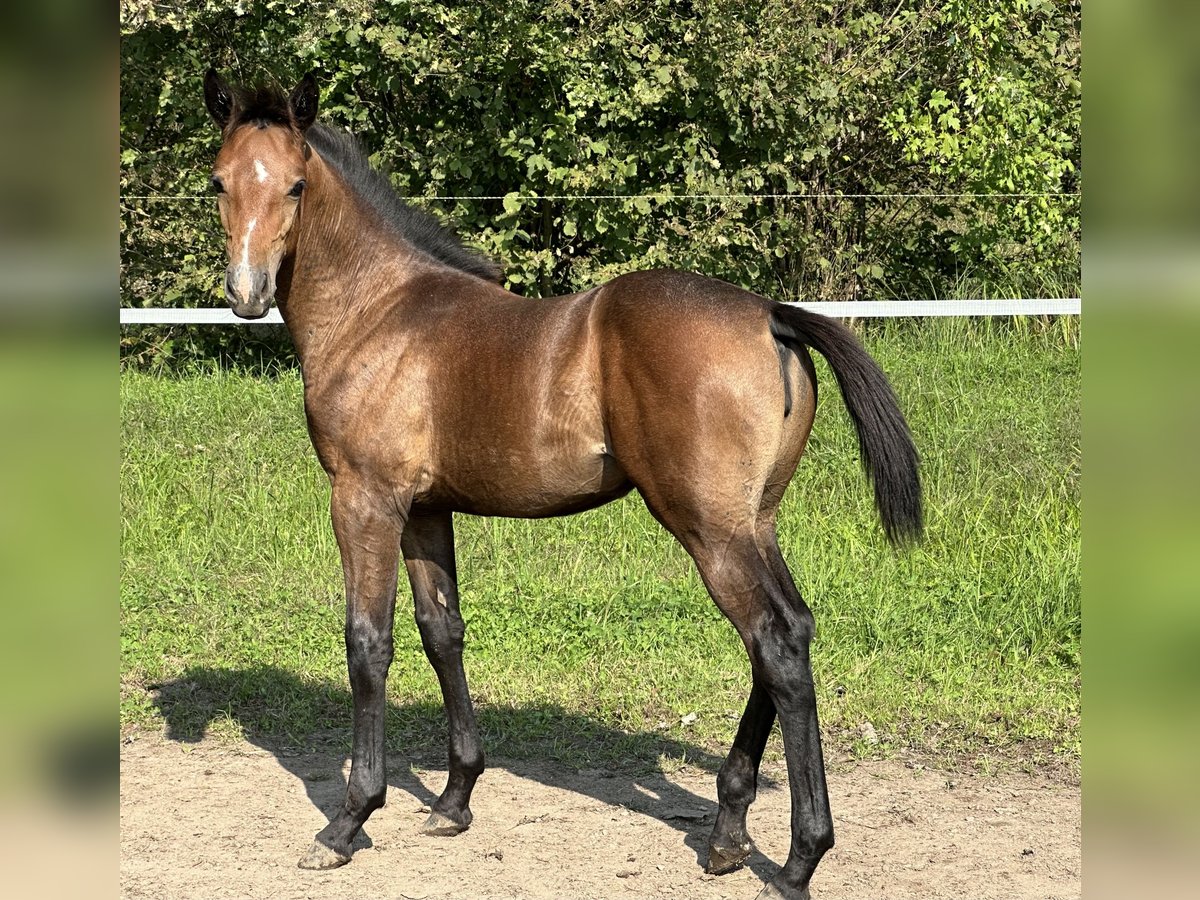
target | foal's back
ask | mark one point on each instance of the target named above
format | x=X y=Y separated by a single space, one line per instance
x=502 y=405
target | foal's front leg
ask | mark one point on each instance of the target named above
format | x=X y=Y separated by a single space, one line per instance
x=368 y=528
x=428 y=545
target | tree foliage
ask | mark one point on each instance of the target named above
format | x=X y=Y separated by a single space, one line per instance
x=507 y=106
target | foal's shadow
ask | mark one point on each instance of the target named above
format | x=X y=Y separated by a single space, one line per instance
x=289 y=718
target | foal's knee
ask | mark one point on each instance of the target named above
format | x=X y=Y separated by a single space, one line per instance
x=368 y=651
x=441 y=628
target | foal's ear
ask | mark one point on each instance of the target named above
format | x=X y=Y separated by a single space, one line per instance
x=218 y=98
x=303 y=102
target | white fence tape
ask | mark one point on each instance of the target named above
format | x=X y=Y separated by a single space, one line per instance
x=864 y=309
x=887 y=309
x=167 y=316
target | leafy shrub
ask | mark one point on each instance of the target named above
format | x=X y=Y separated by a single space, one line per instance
x=705 y=106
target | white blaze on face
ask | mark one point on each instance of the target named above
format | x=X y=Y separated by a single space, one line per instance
x=246 y=243
x=260 y=170
x=245 y=280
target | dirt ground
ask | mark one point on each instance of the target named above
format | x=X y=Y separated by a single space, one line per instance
x=215 y=820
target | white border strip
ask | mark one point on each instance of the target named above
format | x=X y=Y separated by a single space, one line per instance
x=887 y=309
x=166 y=316
x=864 y=309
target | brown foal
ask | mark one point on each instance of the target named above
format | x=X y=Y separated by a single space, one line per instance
x=429 y=389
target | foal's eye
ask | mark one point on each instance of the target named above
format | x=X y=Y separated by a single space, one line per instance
x=218 y=185
x=297 y=188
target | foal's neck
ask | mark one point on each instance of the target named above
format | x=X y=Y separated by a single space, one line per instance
x=342 y=270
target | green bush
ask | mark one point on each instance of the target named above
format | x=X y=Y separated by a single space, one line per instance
x=507 y=106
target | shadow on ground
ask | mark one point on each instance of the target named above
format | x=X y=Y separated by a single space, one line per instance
x=306 y=727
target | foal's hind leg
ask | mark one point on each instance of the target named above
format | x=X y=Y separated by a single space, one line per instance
x=428 y=545
x=743 y=573
x=737 y=784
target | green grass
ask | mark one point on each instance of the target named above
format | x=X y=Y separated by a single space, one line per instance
x=589 y=637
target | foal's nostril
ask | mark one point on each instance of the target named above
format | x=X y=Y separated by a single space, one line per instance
x=263 y=280
x=230 y=285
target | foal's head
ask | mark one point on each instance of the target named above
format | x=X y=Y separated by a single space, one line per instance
x=259 y=181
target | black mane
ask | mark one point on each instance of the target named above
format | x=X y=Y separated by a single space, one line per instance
x=261 y=105
x=341 y=150
x=265 y=105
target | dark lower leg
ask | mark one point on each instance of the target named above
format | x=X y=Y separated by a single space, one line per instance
x=784 y=638
x=737 y=784
x=429 y=555
x=369 y=657
x=451 y=812
x=369 y=538
x=787 y=674
x=750 y=583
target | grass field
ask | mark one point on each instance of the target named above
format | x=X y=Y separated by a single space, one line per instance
x=589 y=637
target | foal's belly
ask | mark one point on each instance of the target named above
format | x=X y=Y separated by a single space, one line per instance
x=523 y=481
x=514 y=417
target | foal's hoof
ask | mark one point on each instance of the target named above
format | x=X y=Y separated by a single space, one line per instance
x=440 y=825
x=725 y=859
x=770 y=892
x=321 y=857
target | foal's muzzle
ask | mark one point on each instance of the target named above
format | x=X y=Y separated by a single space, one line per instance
x=249 y=291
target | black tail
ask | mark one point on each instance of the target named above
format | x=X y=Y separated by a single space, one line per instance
x=888 y=454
